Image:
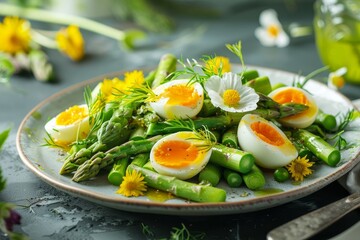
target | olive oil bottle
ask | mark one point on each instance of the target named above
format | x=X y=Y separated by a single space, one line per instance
x=337 y=35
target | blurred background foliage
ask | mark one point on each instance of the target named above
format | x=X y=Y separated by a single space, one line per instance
x=152 y=15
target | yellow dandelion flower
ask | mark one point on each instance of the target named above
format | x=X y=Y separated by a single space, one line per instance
x=110 y=88
x=71 y=42
x=14 y=35
x=134 y=78
x=300 y=168
x=218 y=62
x=133 y=185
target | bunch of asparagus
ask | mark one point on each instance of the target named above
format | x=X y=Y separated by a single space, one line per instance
x=119 y=146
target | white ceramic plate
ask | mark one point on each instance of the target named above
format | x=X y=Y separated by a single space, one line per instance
x=46 y=162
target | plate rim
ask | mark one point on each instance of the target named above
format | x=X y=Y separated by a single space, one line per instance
x=192 y=208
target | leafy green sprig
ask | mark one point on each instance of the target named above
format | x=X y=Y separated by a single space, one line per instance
x=301 y=82
x=203 y=134
x=181 y=233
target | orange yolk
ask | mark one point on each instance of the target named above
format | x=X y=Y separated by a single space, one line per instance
x=294 y=96
x=184 y=95
x=267 y=133
x=290 y=95
x=176 y=154
x=71 y=115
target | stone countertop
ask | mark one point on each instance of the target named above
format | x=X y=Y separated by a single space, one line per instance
x=48 y=213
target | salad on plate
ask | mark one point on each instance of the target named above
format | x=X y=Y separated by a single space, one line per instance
x=188 y=125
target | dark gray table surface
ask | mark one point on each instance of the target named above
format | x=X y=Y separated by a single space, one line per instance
x=51 y=214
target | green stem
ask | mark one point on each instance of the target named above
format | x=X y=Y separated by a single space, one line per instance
x=180 y=188
x=43 y=40
x=59 y=18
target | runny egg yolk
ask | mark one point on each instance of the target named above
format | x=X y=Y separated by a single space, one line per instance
x=71 y=115
x=296 y=95
x=267 y=133
x=290 y=95
x=176 y=153
x=181 y=94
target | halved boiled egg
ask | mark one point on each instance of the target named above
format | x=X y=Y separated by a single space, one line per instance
x=268 y=143
x=296 y=95
x=178 y=99
x=69 y=125
x=180 y=155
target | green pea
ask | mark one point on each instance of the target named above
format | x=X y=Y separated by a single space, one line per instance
x=281 y=174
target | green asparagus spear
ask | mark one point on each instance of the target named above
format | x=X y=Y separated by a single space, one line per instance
x=248 y=75
x=232 y=178
x=229 y=138
x=327 y=121
x=118 y=171
x=255 y=179
x=112 y=133
x=180 y=188
x=138 y=134
x=260 y=85
x=318 y=146
x=232 y=158
x=148 y=166
x=210 y=174
x=208 y=109
x=141 y=159
x=90 y=168
x=166 y=66
x=224 y=121
x=115 y=131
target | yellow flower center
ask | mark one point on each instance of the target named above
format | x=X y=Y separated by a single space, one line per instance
x=338 y=81
x=273 y=30
x=231 y=97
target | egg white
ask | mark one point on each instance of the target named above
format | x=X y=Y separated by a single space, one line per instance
x=303 y=119
x=167 y=111
x=266 y=155
x=185 y=172
x=67 y=134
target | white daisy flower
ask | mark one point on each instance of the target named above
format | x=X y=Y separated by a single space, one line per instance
x=336 y=79
x=271 y=32
x=228 y=93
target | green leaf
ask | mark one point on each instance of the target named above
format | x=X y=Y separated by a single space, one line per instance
x=3 y=136
x=6 y=68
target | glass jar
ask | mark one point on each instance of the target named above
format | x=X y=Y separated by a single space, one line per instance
x=337 y=35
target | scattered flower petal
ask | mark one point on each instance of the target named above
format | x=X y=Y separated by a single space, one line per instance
x=228 y=93
x=271 y=32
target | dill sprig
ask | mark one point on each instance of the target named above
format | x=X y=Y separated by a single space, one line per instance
x=204 y=138
x=96 y=109
x=236 y=48
x=191 y=69
x=184 y=234
x=346 y=119
x=301 y=82
x=50 y=142
x=141 y=93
